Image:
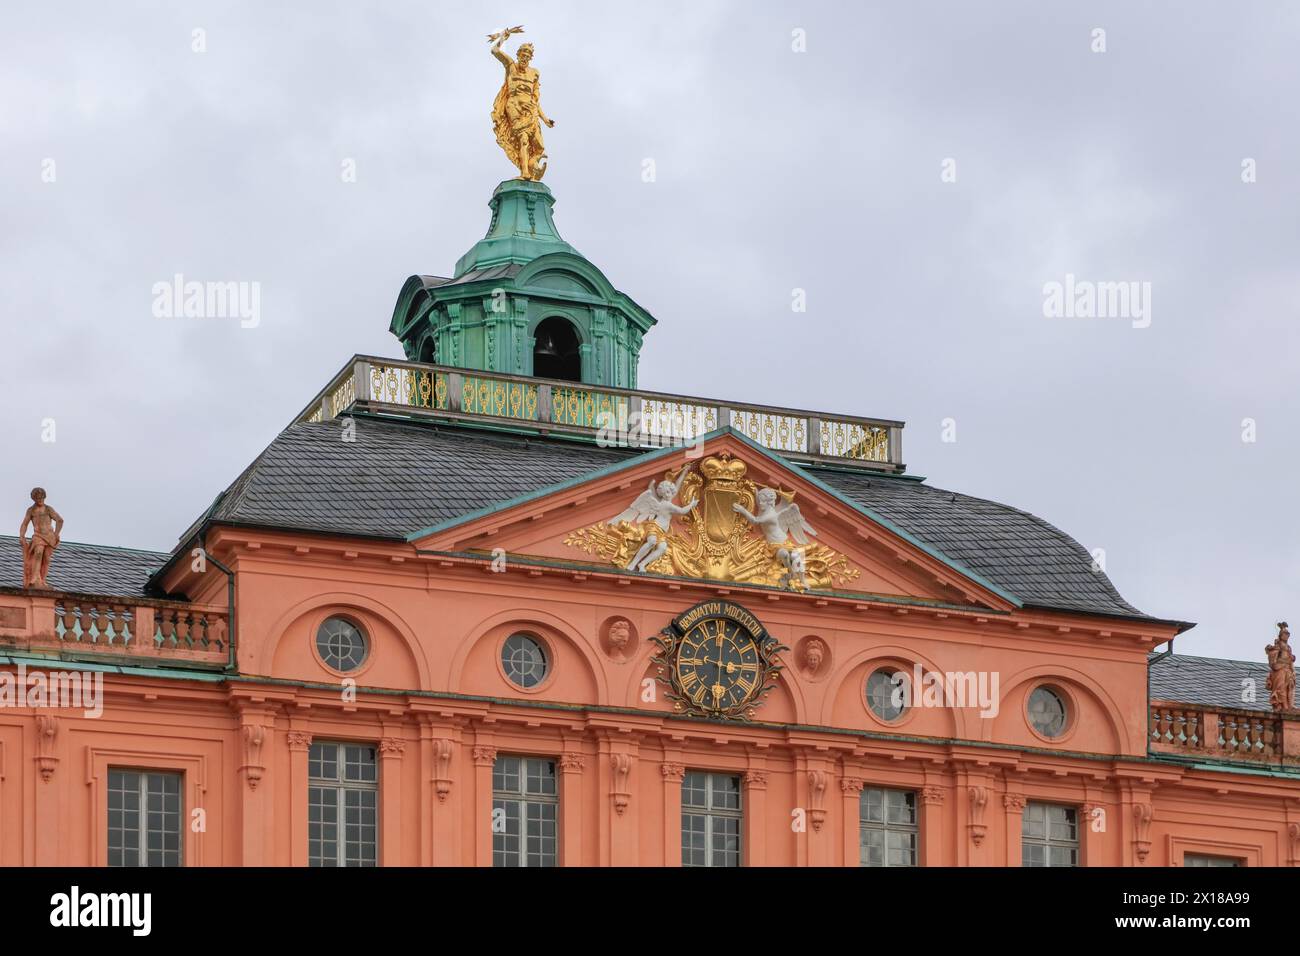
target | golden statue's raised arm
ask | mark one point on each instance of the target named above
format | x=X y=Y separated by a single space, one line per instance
x=501 y=37
x=517 y=115
x=501 y=54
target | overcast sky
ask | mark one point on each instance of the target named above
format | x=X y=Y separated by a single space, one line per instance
x=129 y=157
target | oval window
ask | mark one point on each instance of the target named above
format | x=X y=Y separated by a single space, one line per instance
x=887 y=693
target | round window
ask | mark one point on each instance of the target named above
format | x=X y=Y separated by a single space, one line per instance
x=887 y=694
x=1046 y=712
x=524 y=660
x=340 y=644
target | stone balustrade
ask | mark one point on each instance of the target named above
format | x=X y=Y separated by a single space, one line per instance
x=629 y=417
x=1220 y=733
x=89 y=626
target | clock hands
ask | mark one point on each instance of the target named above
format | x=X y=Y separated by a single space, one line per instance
x=718 y=689
x=723 y=681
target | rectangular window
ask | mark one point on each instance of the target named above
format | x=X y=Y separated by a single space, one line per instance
x=887 y=827
x=342 y=804
x=711 y=819
x=1049 y=835
x=144 y=818
x=1204 y=859
x=524 y=808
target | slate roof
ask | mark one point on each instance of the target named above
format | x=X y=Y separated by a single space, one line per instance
x=87 y=568
x=1020 y=552
x=398 y=478
x=1187 y=679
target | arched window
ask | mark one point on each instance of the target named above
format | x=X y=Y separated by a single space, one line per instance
x=556 y=353
x=428 y=351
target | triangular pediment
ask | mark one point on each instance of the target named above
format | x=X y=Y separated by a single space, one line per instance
x=726 y=511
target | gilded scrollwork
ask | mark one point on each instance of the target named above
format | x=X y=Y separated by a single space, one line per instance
x=729 y=529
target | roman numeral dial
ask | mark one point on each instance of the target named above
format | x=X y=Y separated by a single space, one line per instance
x=718 y=666
x=718 y=661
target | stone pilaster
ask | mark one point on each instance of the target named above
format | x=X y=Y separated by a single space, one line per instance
x=931 y=820
x=820 y=849
x=485 y=755
x=1014 y=806
x=673 y=772
x=256 y=733
x=572 y=764
x=850 y=808
x=299 y=749
x=755 y=804
x=391 y=751
x=47 y=812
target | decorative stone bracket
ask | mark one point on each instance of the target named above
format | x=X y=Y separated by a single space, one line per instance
x=817 y=780
x=254 y=737
x=979 y=798
x=621 y=765
x=443 y=751
x=47 y=730
x=1142 y=815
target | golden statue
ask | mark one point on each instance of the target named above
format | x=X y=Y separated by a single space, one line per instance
x=517 y=111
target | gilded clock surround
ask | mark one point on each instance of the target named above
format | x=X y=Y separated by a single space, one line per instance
x=717 y=660
x=713 y=536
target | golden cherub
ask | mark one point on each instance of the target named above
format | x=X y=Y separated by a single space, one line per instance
x=517 y=111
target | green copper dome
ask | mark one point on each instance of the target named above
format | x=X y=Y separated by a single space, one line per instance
x=522 y=228
x=525 y=302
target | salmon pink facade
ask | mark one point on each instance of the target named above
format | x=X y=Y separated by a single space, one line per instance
x=414 y=633
x=433 y=698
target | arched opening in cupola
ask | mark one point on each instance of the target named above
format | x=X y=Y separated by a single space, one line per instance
x=428 y=351
x=555 y=354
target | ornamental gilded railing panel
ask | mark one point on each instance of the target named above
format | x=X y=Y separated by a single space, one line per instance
x=649 y=419
x=502 y=398
x=846 y=439
x=585 y=407
x=668 y=420
x=413 y=387
x=344 y=396
x=772 y=429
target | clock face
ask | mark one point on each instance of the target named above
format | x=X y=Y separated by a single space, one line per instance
x=718 y=666
x=717 y=660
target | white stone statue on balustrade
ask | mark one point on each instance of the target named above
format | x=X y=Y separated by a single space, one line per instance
x=654 y=508
x=780 y=525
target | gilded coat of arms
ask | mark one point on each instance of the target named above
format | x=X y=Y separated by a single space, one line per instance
x=727 y=529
